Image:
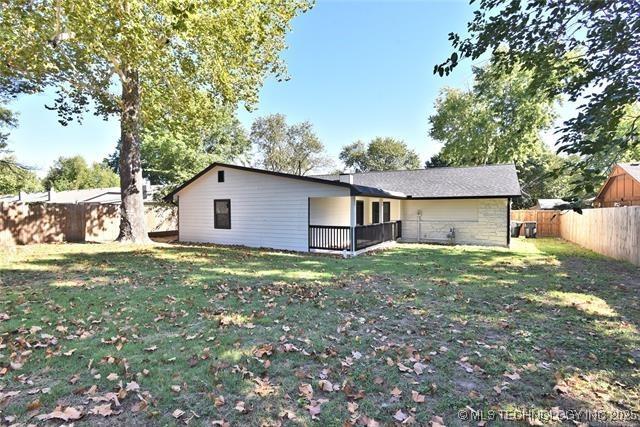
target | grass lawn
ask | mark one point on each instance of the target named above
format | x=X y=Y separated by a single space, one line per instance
x=170 y=334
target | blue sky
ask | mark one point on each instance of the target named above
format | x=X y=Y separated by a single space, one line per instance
x=358 y=69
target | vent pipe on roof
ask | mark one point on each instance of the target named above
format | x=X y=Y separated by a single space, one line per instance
x=346 y=177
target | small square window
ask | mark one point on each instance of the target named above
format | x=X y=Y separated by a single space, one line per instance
x=220 y=176
x=222 y=213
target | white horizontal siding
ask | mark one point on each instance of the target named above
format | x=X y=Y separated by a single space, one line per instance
x=266 y=210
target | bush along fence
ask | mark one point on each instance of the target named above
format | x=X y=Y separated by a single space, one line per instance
x=26 y=223
x=614 y=232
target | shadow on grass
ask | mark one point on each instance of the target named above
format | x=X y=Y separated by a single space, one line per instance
x=547 y=305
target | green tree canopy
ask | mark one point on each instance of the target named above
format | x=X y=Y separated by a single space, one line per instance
x=500 y=120
x=172 y=158
x=586 y=50
x=287 y=148
x=156 y=63
x=380 y=154
x=436 y=161
x=496 y=121
x=14 y=177
x=73 y=173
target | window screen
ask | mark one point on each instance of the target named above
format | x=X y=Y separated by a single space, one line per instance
x=375 y=212
x=220 y=176
x=386 y=211
x=222 y=213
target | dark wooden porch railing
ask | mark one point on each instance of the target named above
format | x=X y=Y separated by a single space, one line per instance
x=338 y=238
x=369 y=235
x=331 y=237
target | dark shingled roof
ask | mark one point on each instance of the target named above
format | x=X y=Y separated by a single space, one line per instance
x=442 y=183
x=433 y=183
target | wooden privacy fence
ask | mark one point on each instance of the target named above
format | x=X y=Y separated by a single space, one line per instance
x=25 y=223
x=614 y=232
x=548 y=221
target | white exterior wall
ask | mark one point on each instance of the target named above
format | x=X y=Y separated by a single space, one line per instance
x=266 y=210
x=476 y=221
x=331 y=211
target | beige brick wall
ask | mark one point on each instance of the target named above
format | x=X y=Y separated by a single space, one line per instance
x=476 y=221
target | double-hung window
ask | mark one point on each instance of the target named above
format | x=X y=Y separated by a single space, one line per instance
x=222 y=213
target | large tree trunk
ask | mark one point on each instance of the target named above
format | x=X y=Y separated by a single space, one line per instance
x=132 y=226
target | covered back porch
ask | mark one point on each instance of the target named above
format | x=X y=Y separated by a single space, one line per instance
x=353 y=223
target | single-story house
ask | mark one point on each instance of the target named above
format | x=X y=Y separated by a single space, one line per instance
x=237 y=205
x=622 y=187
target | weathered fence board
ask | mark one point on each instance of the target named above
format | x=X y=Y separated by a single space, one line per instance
x=548 y=221
x=25 y=223
x=614 y=232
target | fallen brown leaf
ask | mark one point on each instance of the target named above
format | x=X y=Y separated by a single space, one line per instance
x=417 y=397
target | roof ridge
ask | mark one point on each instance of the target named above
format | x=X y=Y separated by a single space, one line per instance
x=424 y=169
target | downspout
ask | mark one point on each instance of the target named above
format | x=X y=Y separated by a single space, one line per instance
x=508 y=222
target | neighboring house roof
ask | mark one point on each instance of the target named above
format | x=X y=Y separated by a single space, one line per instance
x=550 y=203
x=107 y=195
x=445 y=182
x=433 y=183
x=632 y=169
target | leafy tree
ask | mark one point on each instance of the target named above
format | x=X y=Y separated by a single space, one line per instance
x=173 y=158
x=600 y=164
x=73 y=173
x=497 y=121
x=15 y=177
x=436 y=161
x=163 y=63
x=287 y=148
x=7 y=120
x=547 y=176
x=553 y=39
x=381 y=154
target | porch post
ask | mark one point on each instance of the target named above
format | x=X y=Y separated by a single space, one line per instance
x=353 y=225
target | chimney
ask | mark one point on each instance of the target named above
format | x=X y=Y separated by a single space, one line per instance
x=21 y=195
x=346 y=177
x=50 y=194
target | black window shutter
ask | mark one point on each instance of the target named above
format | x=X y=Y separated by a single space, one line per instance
x=375 y=212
